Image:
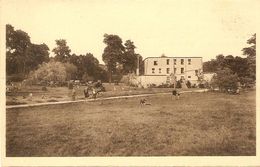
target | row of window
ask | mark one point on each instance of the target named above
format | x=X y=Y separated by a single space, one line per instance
x=174 y=61
x=168 y=70
x=175 y=70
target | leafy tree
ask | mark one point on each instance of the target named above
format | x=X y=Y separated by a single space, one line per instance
x=17 y=43
x=251 y=56
x=141 y=65
x=62 y=51
x=51 y=71
x=71 y=71
x=88 y=67
x=113 y=53
x=130 y=58
x=35 y=55
x=225 y=79
x=22 y=56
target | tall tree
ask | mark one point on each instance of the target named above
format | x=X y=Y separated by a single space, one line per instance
x=251 y=56
x=62 y=51
x=36 y=54
x=113 y=53
x=88 y=67
x=130 y=58
x=17 y=43
x=22 y=56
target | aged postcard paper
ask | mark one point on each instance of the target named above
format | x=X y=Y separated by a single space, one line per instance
x=129 y=83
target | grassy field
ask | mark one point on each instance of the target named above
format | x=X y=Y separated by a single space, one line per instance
x=196 y=124
x=54 y=94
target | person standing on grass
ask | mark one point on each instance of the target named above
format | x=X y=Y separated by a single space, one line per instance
x=176 y=94
x=86 y=89
x=73 y=94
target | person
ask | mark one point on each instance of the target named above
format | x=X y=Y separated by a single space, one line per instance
x=94 y=92
x=73 y=94
x=176 y=94
x=238 y=91
x=86 y=91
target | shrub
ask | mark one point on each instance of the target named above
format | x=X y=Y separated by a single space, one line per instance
x=70 y=85
x=15 y=78
x=188 y=84
x=201 y=85
x=44 y=88
x=225 y=79
x=178 y=84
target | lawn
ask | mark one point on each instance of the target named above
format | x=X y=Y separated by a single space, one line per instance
x=54 y=94
x=196 y=124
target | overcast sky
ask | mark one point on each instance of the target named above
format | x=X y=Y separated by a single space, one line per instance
x=176 y=28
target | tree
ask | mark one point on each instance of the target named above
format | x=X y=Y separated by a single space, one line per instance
x=51 y=71
x=22 y=56
x=88 y=67
x=130 y=58
x=35 y=55
x=62 y=51
x=251 y=56
x=225 y=79
x=17 y=43
x=113 y=53
x=71 y=71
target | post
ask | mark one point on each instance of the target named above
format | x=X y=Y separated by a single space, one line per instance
x=137 y=69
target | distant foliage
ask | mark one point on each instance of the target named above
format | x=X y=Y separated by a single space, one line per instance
x=51 y=71
x=62 y=51
x=71 y=71
x=226 y=79
x=188 y=84
x=178 y=84
x=22 y=56
x=240 y=69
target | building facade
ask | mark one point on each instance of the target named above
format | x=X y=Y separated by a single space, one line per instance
x=186 y=68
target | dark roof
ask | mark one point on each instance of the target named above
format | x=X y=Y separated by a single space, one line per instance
x=170 y=57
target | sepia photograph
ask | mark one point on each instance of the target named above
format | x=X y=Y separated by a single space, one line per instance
x=110 y=78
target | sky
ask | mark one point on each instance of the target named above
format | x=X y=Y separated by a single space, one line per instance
x=171 y=27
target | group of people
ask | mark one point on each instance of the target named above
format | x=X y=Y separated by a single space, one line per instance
x=91 y=90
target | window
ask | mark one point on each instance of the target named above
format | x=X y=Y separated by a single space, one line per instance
x=175 y=70
x=175 y=61
x=189 y=61
x=160 y=70
x=182 y=61
x=152 y=70
x=189 y=76
x=167 y=70
x=182 y=70
x=155 y=63
x=168 y=61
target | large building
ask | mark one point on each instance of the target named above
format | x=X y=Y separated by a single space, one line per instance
x=157 y=70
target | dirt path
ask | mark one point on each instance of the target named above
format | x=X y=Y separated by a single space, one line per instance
x=89 y=100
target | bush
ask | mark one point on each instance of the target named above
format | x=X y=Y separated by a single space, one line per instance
x=70 y=85
x=225 y=79
x=201 y=85
x=44 y=88
x=163 y=86
x=188 y=84
x=15 y=78
x=178 y=84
